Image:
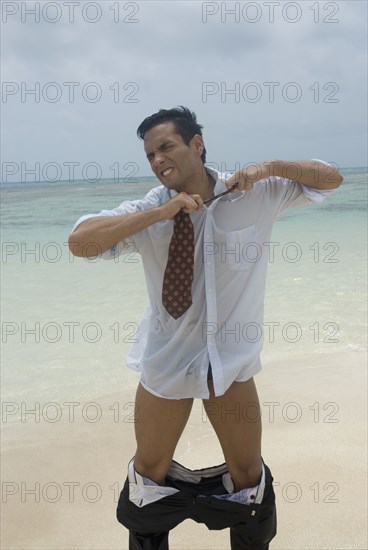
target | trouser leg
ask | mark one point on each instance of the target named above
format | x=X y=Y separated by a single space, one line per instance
x=260 y=524
x=240 y=539
x=133 y=517
x=148 y=541
x=145 y=521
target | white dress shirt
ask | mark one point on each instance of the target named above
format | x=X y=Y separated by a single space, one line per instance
x=224 y=324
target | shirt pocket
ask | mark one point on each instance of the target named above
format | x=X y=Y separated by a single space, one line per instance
x=242 y=248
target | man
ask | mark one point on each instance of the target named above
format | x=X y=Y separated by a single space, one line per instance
x=194 y=352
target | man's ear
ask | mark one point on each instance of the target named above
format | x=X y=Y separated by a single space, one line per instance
x=198 y=143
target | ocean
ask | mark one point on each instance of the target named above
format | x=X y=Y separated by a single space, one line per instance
x=67 y=323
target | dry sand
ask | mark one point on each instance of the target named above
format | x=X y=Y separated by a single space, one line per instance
x=314 y=440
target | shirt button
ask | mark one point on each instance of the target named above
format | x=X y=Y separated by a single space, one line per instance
x=210 y=289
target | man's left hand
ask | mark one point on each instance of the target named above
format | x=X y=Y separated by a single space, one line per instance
x=247 y=177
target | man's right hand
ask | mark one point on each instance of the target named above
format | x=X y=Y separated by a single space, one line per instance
x=181 y=201
x=106 y=231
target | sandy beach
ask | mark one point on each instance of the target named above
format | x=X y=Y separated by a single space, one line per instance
x=61 y=479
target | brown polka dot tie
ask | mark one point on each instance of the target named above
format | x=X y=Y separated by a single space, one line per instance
x=178 y=277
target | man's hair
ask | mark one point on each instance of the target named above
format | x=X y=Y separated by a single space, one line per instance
x=184 y=120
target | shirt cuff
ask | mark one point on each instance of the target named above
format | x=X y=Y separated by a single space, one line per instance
x=316 y=195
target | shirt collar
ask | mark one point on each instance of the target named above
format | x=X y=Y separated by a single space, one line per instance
x=220 y=186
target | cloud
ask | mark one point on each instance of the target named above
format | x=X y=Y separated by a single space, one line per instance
x=167 y=57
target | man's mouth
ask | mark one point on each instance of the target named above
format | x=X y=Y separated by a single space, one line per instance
x=167 y=172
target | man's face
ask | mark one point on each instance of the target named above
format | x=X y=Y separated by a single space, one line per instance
x=172 y=161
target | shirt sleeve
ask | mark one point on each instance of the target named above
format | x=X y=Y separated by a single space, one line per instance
x=286 y=193
x=130 y=244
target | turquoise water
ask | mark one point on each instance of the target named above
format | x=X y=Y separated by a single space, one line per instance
x=67 y=323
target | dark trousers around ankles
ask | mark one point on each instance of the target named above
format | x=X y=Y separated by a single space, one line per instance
x=252 y=526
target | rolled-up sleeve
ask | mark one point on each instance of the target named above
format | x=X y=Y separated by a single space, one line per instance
x=286 y=193
x=132 y=243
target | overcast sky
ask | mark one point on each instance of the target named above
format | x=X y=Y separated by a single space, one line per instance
x=270 y=80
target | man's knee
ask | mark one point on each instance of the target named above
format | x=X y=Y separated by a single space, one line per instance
x=154 y=469
x=246 y=474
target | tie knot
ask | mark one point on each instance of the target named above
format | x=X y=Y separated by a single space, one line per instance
x=181 y=215
x=182 y=223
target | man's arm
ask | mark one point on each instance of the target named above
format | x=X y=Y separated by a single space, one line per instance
x=105 y=231
x=311 y=173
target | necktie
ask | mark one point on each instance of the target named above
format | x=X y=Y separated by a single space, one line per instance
x=178 y=277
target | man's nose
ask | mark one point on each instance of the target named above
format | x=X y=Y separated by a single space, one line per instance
x=158 y=160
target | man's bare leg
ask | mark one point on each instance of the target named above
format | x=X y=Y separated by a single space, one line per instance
x=236 y=419
x=159 y=424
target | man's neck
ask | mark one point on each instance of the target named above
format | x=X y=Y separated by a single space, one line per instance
x=203 y=185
